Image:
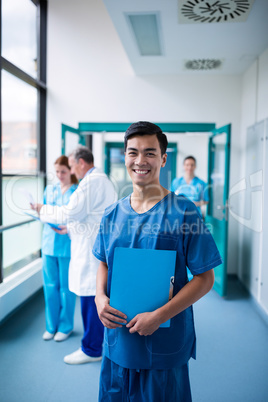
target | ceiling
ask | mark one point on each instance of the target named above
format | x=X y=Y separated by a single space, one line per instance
x=190 y=36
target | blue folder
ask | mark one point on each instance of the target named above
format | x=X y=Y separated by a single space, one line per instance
x=141 y=280
x=38 y=219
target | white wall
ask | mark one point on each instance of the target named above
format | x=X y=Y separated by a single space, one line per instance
x=18 y=287
x=254 y=109
x=90 y=79
x=262 y=94
x=254 y=106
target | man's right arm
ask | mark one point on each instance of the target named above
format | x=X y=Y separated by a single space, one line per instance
x=76 y=209
x=105 y=311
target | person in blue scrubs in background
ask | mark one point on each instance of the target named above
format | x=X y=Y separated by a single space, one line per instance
x=142 y=362
x=59 y=301
x=190 y=185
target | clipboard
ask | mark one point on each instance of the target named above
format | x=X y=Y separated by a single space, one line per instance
x=141 y=280
x=38 y=219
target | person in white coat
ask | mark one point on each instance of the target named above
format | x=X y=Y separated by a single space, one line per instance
x=83 y=215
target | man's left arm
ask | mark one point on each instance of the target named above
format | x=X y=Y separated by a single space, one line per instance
x=200 y=253
x=148 y=323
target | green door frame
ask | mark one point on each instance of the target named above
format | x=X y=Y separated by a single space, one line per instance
x=108 y=146
x=69 y=129
x=166 y=127
x=225 y=129
x=89 y=128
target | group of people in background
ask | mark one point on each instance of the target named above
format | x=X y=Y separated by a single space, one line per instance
x=69 y=267
x=80 y=247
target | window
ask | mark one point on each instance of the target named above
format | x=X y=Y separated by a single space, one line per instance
x=19 y=126
x=19 y=34
x=23 y=125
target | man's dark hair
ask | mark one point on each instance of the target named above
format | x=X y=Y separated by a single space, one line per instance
x=190 y=157
x=146 y=128
x=84 y=153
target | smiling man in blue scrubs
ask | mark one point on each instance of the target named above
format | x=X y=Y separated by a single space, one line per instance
x=142 y=362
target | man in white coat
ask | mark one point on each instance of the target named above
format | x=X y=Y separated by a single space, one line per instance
x=82 y=216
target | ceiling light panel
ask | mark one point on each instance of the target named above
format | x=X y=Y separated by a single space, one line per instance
x=207 y=11
x=145 y=28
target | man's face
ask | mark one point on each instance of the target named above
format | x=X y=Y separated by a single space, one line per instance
x=189 y=166
x=75 y=167
x=143 y=160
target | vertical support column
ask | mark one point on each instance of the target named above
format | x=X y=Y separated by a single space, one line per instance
x=42 y=10
x=1 y=210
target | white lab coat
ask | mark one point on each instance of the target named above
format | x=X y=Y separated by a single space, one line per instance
x=82 y=216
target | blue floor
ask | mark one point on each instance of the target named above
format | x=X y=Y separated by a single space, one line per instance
x=231 y=365
x=232 y=349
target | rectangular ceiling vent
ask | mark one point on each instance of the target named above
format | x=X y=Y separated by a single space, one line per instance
x=145 y=28
x=206 y=11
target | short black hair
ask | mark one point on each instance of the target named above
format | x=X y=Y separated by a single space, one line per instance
x=190 y=157
x=146 y=128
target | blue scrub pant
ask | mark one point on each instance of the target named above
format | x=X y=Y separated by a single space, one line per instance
x=93 y=328
x=118 y=384
x=59 y=301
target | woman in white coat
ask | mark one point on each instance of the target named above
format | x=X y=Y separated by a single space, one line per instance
x=83 y=215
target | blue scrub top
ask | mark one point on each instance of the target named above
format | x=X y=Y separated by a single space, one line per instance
x=196 y=190
x=53 y=243
x=172 y=224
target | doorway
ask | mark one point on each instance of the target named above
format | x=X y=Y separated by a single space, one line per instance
x=218 y=221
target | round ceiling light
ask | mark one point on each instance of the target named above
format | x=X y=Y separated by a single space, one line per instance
x=203 y=64
x=214 y=11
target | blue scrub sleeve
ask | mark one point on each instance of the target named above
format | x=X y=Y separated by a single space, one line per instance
x=199 y=246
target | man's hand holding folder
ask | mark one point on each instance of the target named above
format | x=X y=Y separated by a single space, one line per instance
x=109 y=316
x=140 y=287
x=145 y=323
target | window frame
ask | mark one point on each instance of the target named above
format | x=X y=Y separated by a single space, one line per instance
x=40 y=84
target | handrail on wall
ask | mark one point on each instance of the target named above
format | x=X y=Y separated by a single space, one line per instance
x=7 y=227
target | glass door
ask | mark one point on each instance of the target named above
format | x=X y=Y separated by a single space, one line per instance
x=70 y=138
x=218 y=186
